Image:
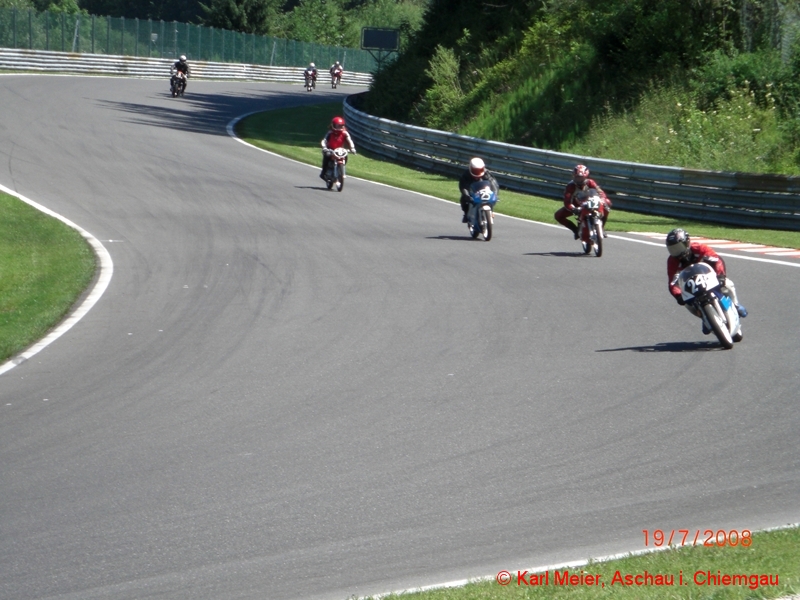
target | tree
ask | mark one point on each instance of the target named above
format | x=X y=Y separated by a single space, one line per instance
x=246 y=16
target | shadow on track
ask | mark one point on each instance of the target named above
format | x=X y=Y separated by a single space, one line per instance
x=453 y=238
x=670 y=347
x=200 y=112
x=557 y=254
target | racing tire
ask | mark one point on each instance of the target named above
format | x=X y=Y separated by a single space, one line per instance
x=598 y=245
x=473 y=231
x=738 y=337
x=486 y=225
x=720 y=329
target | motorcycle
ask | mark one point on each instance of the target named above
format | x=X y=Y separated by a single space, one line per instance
x=701 y=289
x=311 y=81
x=336 y=78
x=177 y=84
x=590 y=222
x=335 y=173
x=480 y=216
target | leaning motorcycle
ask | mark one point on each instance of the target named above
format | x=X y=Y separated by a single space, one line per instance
x=336 y=78
x=177 y=84
x=335 y=173
x=480 y=216
x=590 y=222
x=701 y=289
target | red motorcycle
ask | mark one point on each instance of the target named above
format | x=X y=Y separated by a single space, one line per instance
x=590 y=222
x=336 y=77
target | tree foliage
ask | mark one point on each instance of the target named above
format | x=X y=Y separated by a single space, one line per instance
x=542 y=72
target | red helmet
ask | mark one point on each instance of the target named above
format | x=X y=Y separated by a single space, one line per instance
x=477 y=168
x=337 y=123
x=580 y=174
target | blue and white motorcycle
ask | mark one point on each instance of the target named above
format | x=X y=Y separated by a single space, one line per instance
x=480 y=216
x=701 y=289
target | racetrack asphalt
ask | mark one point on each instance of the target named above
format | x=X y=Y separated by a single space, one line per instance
x=287 y=392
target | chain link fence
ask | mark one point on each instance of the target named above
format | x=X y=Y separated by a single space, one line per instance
x=25 y=29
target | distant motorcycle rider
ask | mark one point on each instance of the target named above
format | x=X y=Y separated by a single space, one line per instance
x=476 y=172
x=682 y=253
x=572 y=193
x=336 y=137
x=311 y=72
x=180 y=66
x=336 y=67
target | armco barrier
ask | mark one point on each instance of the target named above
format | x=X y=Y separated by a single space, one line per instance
x=103 y=64
x=742 y=199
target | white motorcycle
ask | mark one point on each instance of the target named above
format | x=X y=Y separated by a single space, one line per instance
x=701 y=289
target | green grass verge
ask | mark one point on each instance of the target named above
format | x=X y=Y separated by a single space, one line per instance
x=296 y=133
x=773 y=554
x=44 y=268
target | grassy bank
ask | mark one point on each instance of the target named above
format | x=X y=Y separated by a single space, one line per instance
x=773 y=554
x=296 y=133
x=44 y=268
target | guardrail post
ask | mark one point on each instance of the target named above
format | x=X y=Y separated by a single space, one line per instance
x=75 y=35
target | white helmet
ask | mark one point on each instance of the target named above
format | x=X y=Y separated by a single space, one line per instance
x=183 y=58
x=477 y=167
x=311 y=66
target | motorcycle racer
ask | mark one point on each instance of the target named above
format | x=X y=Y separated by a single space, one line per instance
x=311 y=72
x=682 y=253
x=475 y=172
x=336 y=137
x=180 y=66
x=580 y=183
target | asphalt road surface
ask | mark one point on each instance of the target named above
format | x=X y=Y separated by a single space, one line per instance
x=290 y=393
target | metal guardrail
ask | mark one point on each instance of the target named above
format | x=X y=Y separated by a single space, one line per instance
x=741 y=199
x=130 y=66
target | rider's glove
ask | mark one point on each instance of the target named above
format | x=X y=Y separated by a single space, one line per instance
x=722 y=279
x=353 y=150
x=576 y=211
x=680 y=300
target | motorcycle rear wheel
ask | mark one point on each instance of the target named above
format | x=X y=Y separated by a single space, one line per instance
x=473 y=231
x=719 y=327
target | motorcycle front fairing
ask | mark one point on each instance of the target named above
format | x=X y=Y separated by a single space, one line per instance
x=482 y=196
x=699 y=286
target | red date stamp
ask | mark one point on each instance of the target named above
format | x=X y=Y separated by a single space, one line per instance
x=708 y=537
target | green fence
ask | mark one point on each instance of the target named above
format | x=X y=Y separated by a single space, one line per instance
x=159 y=39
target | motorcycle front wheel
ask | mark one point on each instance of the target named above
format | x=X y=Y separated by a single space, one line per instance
x=486 y=225
x=598 y=245
x=719 y=327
